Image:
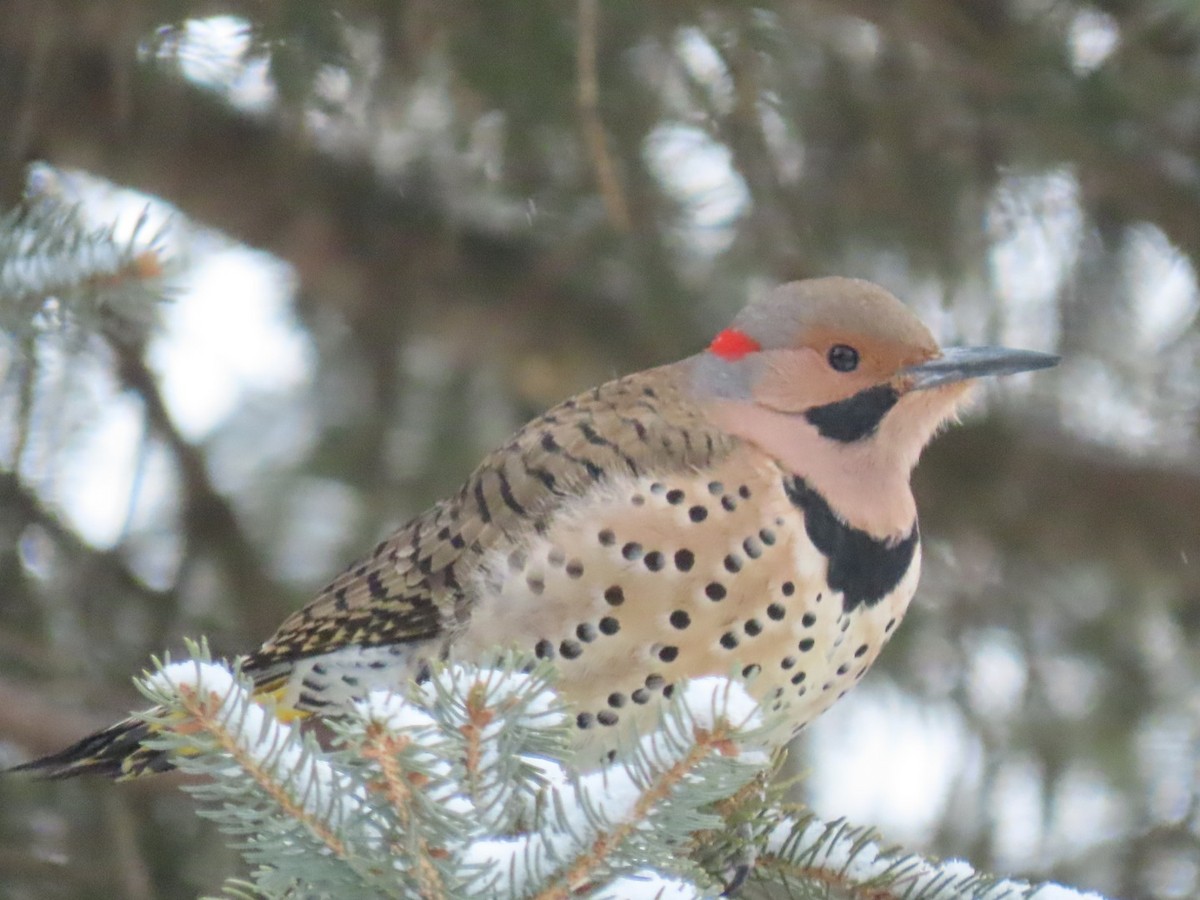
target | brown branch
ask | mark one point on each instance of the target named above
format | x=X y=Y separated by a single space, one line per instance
x=384 y=748
x=479 y=716
x=594 y=137
x=579 y=871
x=205 y=709
x=1046 y=496
x=835 y=879
x=208 y=518
x=29 y=509
x=1131 y=180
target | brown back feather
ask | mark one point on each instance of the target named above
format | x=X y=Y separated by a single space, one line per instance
x=411 y=587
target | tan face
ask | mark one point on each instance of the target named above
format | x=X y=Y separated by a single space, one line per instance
x=794 y=380
x=827 y=339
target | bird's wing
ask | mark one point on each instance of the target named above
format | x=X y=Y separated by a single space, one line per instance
x=410 y=587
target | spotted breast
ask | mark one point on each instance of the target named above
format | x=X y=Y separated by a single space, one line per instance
x=646 y=580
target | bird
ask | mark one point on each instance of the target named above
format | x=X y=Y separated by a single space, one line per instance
x=745 y=511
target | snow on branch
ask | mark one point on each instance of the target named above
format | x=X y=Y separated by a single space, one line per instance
x=58 y=269
x=850 y=861
x=463 y=788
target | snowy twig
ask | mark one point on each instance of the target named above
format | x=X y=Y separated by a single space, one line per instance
x=264 y=748
x=430 y=796
x=836 y=855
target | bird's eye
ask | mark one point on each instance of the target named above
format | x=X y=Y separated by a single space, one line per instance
x=843 y=358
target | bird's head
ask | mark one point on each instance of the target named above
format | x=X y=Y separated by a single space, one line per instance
x=844 y=386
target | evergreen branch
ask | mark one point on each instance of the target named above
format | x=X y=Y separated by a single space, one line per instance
x=213 y=701
x=479 y=716
x=579 y=871
x=508 y=728
x=55 y=268
x=649 y=885
x=306 y=818
x=699 y=727
x=806 y=851
x=238 y=889
x=415 y=803
x=384 y=748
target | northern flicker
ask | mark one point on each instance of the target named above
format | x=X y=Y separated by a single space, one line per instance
x=746 y=510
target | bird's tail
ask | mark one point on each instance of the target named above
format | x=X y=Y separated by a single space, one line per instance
x=117 y=752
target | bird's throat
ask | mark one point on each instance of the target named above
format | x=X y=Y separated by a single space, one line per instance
x=865 y=483
x=864 y=569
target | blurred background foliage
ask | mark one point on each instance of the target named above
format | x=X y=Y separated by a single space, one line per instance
x=388 y=232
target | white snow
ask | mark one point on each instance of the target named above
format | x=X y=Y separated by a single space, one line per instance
x=714 y=699
x=1051 y=891
x=836 y=848
x=647 y=885
x=198 y=676
x=606 y=797
x=393 y=712
x=540 y=707
x=582 y=807
x=318 y=787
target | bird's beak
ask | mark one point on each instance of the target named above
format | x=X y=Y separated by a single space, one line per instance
x=961 y=363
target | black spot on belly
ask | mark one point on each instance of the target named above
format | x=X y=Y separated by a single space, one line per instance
x=865 y=569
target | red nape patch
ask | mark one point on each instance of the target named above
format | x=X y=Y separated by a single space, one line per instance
x=732 y=344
